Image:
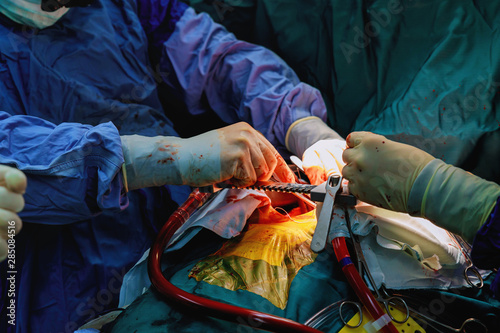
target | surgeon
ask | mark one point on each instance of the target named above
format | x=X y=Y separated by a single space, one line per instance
x=403 y=178
x=87 y=90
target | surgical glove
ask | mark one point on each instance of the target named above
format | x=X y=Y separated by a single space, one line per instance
x=381 y=172
x=12 y=187
x=453 y=198
x=323 y=159
x=404 y=178
x=237 y=153
x=319 y=146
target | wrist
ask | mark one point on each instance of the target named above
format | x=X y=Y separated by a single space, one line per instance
x=420 y=186
x=200 y=163
x=453 y=198
x=151 y=161
x=305 y=132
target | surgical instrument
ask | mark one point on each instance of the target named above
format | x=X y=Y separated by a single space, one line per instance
x=206 y=306
x=316 y=192
x=382 y=321
x=470 y=268
x=363 y=270
x=475 y=325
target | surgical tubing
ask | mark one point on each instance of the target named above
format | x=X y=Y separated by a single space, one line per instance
x=205 y=306
x=356 y=281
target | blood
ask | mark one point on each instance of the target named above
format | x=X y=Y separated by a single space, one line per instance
x=348 y=138
x=232 y=199
x=256 y=196
x=166 y=160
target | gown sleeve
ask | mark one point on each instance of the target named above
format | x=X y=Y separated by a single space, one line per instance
x=73 y=170
x=486 y=247
x=202 y=63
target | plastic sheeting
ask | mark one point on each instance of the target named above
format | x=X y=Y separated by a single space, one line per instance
x=265 y=258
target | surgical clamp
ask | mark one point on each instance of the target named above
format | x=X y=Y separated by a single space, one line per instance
x=381 y=321
x=384 y=298
x=470 y=268
x=475 y=325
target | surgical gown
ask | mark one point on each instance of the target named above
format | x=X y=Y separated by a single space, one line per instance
x=68 y=92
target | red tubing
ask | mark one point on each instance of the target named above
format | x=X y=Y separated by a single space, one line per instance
x=356 y=281
x=202 y=305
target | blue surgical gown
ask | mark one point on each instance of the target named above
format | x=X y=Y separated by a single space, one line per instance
x=68 y=92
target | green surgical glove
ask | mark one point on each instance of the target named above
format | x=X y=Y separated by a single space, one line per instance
x=381 y=171
x=403 y=178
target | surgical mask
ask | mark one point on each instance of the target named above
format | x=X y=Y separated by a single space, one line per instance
x=29 y=12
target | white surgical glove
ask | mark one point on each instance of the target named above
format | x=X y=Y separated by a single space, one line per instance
x=237 y=153
x=322 y=159
x=406 y=179
x=12 y=187
x=319 y=146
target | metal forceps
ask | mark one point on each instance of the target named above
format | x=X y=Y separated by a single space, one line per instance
x=381 y=294
x=469 y=325
x=470 y=270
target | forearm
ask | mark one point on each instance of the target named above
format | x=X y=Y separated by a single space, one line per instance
x=240 y=81
x=453 y=198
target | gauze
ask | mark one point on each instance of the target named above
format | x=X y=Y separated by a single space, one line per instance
x=29 y=12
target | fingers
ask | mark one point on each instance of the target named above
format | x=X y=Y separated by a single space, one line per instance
x=349 y=155
x=256 y=157
x=275 y=163
x=10 y=200
x=249 y=156
x=13 y=179
x=313 y=167
x=355 y=138
x=282 y=172
x=263 y=157
x=244 y=175
x=12 y=186
x=323 y=159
